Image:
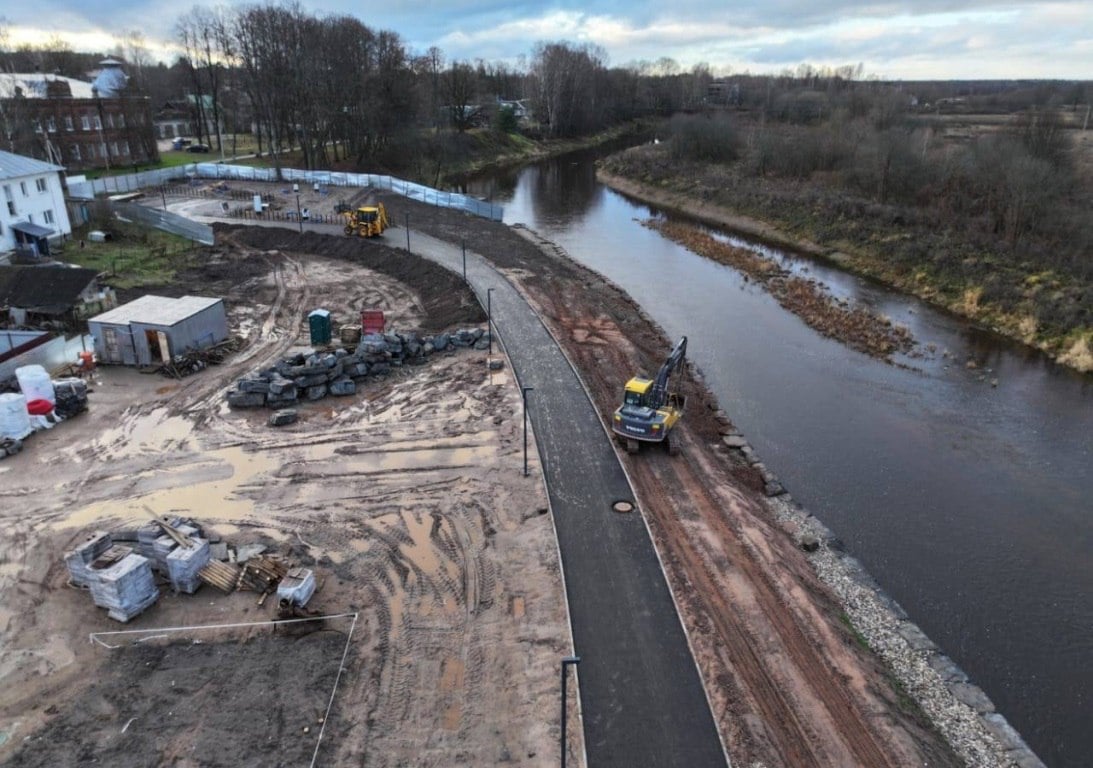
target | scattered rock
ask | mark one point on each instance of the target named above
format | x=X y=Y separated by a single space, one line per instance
x=809 y=543
x=283 y=417
x=735 y=441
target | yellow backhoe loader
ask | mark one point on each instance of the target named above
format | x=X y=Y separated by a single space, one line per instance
x=366 y=221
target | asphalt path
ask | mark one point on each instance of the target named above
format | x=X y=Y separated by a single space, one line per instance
x=641 y=696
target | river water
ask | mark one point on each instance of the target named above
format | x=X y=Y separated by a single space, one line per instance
x=972 y=504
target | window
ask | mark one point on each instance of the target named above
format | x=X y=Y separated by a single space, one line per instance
x=121 y=121
x=51 y=124
x=125 y=148
x=98 y=122
x=30 y=218
x=114 y=148
x=23 y=188
x=109 y=120
x=85 y=122
x=37 y=125
x=48 y=216
x=68 y=122
x=74 y=152
x=102 y=150
x=90 y=151
x=41 y=184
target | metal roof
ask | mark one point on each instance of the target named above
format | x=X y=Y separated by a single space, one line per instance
x=155 y=310
x=33 y=85
x=29 y=228
x=15 y=166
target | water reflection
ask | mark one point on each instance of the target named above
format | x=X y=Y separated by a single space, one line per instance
x=969 y=501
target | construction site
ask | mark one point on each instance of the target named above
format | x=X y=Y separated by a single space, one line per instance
x=444 y=593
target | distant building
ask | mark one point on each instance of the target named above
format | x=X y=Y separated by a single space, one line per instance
x=156 y=329
x=76 y=124
x=32 y=205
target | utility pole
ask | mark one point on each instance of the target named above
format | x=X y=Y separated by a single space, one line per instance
x=489 y=317
x=524 y=391
x=567 y=661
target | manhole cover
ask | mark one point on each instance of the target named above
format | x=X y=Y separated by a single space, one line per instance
x=622 y=506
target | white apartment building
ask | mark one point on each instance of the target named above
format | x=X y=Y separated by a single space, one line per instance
x=32 y=204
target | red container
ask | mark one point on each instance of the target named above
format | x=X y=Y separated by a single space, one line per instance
x=373 y=321
x=39 y=407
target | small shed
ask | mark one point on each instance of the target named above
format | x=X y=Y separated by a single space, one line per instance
x=155 y=329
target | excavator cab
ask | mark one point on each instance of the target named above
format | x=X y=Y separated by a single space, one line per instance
x=636 y=393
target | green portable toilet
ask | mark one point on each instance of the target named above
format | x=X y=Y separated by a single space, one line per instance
x=319 y=323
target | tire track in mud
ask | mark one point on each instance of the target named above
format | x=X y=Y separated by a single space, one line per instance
x=797 y=740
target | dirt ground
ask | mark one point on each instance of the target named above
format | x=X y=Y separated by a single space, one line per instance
x=409 y=501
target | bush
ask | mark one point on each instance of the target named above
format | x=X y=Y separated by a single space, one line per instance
x=704 y=139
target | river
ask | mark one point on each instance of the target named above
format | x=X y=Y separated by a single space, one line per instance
x=967 y=493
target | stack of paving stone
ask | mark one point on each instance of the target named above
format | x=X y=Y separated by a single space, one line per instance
x=122 y=582
x=79 y=559
x=314 y=376
x=71 y=397
x=155 y=545
x=183 y=563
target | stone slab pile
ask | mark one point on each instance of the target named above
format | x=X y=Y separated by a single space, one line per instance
x=183 y=564
x=79 y=559
x=313 y=376
x=126 y=586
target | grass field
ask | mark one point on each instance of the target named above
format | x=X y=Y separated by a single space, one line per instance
x=134 y=258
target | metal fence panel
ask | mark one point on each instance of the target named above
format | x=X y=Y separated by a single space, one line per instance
x=133 y=182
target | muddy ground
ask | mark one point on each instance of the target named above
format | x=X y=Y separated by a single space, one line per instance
x=408 y=499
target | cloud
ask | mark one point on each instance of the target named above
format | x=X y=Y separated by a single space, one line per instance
x=927 y=38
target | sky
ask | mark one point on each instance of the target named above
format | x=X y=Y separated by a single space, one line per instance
x=909 y=40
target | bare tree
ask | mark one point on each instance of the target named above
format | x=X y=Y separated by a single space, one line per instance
x=460 y=92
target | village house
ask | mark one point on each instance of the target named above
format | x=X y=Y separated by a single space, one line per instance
x=32 y=205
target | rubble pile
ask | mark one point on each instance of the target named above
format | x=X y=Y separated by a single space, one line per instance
x=313 y=376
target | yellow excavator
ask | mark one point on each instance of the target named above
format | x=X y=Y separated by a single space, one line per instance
x=367 y=221
x=649 y=412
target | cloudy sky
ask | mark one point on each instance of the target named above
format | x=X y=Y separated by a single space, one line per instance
x=914 y=39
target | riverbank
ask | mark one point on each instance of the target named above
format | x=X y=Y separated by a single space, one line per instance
x=695 y=200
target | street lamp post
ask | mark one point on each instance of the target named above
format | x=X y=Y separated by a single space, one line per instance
x=524 y=391
x=407 y=232
x=463 y=242
x=299 y=217
x=489 y=317
x=567 y=661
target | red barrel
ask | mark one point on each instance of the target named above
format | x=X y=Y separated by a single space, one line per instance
x=39 y=407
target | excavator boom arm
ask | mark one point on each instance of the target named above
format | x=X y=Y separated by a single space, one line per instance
x=674 y=361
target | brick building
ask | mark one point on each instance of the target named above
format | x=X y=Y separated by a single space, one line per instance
x=67 y=122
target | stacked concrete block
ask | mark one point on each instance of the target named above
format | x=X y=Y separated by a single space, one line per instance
x=313 y=376
x=183 y=564
x=156 y=545
x=125 y=588
x=79 y=559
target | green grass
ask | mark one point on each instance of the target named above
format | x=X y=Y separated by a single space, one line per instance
x=134 y=258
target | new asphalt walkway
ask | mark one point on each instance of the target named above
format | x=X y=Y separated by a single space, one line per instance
x=641 y=695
